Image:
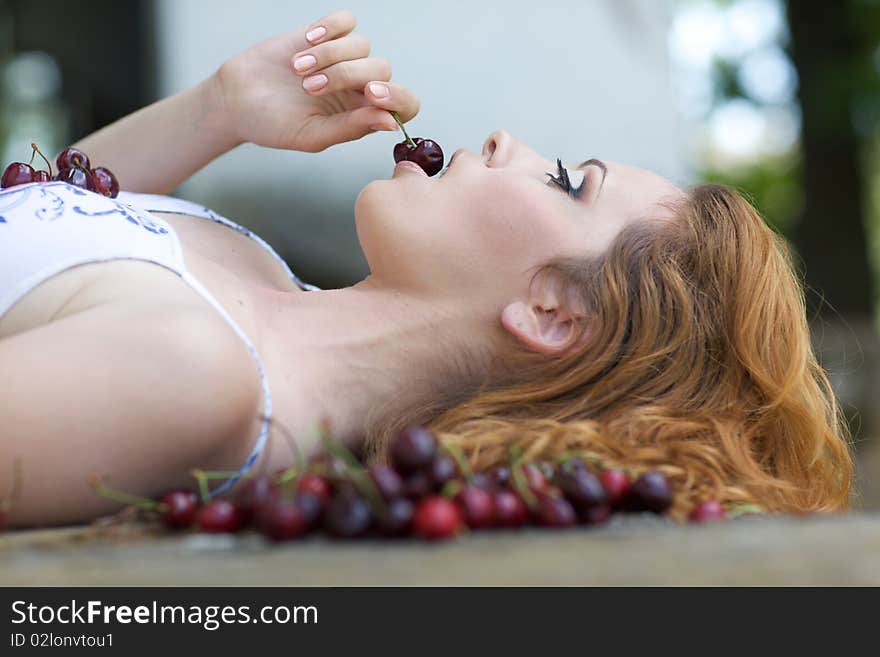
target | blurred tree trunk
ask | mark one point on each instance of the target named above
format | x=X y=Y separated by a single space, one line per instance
x=827 y=50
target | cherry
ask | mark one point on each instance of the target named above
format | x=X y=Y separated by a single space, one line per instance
x=555 y=511
x=500 y=476
x=41 y=177
x=347 y=516
x=418 y=484
x=436 y=517
x=253 y=494
x=650 y=492
x=220 y=516
x=284 y=518
x=2 y=520
x=595 y=515
x=617 y=484
x=480 y=480
x=534 y=476
x=316 y=485
x=180 y=508
x=414 y=448
x=477 y=506
x=424 y=152
x=707 y=511
x=398 y=517
x=72 y=158
x=387 y=481
x=17 y=173
x=77 y=177
x=443 y=468
x=581 y=488
x=510 y=510
x=105 y=182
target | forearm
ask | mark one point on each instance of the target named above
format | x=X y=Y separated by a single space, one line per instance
x=158 y=147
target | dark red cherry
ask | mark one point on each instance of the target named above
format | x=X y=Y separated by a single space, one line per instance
x=77 y=177
x=555 y=511
x=707 y=511
x=316 y=485
x=499 y=476
x=42 y=176
x=477 y=506
x=443 y=469
x=650 y=492
x=220 y=516
x=534 y=476
x=17 y=173
x=418 y=484
x=387 y=481
x=414 y=448
x=72 y=157
x=436 y=517
x=581 y=488
x=105 y=182
x=617 y=484
x=284 y=518
x=253 y=494
x=180 y=510
x=426 y=153
x=348 y=516
x=510 y=510
x=397 y=520
x=595 y=515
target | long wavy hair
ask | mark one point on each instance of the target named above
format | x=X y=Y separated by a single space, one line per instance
x=697 y=361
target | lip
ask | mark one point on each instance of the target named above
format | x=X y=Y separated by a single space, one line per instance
x=405 y=167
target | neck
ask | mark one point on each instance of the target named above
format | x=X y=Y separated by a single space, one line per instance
x=361 y=356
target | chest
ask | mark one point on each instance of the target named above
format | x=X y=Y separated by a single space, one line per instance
x=230 y=265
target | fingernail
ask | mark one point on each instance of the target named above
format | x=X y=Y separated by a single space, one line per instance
x=304 y=62
x=378 y=90
x=315 y=33
x=382 y=127
x=314 y=82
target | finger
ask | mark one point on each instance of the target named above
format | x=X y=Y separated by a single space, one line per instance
x=348 y=126
x=347 y=76
x=347 y=48
x=392 y=97
x=332 y=26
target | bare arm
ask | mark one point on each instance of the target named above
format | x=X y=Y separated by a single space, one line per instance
x=158 y=147
x=260 y=97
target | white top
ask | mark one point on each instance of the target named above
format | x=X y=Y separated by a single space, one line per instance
x=46 y=228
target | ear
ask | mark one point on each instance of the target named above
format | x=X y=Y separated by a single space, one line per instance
x=543 y=324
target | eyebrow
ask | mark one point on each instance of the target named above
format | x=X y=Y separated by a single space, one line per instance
x=601 y=165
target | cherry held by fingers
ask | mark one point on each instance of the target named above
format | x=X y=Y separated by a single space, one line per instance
x=424 y=152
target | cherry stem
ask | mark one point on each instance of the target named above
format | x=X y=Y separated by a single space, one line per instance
x=745 y=509
x=455 y=452
x=102 y=489
x=37 y=150
x=451 y=488
x=354 y=470
x=202 y=477
x=405 y=133
x=518 y=477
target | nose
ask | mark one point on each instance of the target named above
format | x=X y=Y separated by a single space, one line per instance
x=502 y=149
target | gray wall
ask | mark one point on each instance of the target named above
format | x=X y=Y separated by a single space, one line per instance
x=573 y=79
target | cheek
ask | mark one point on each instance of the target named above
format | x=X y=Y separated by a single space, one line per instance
x=518 y=225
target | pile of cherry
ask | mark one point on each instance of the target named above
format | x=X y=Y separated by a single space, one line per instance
x=428 y=491
x=73 y=168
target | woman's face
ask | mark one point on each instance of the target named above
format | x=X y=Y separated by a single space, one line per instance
x=478 y=229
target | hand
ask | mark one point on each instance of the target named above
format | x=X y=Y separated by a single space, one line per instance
x=271 y=102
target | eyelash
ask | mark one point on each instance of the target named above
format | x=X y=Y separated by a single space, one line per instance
x=564 y=183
